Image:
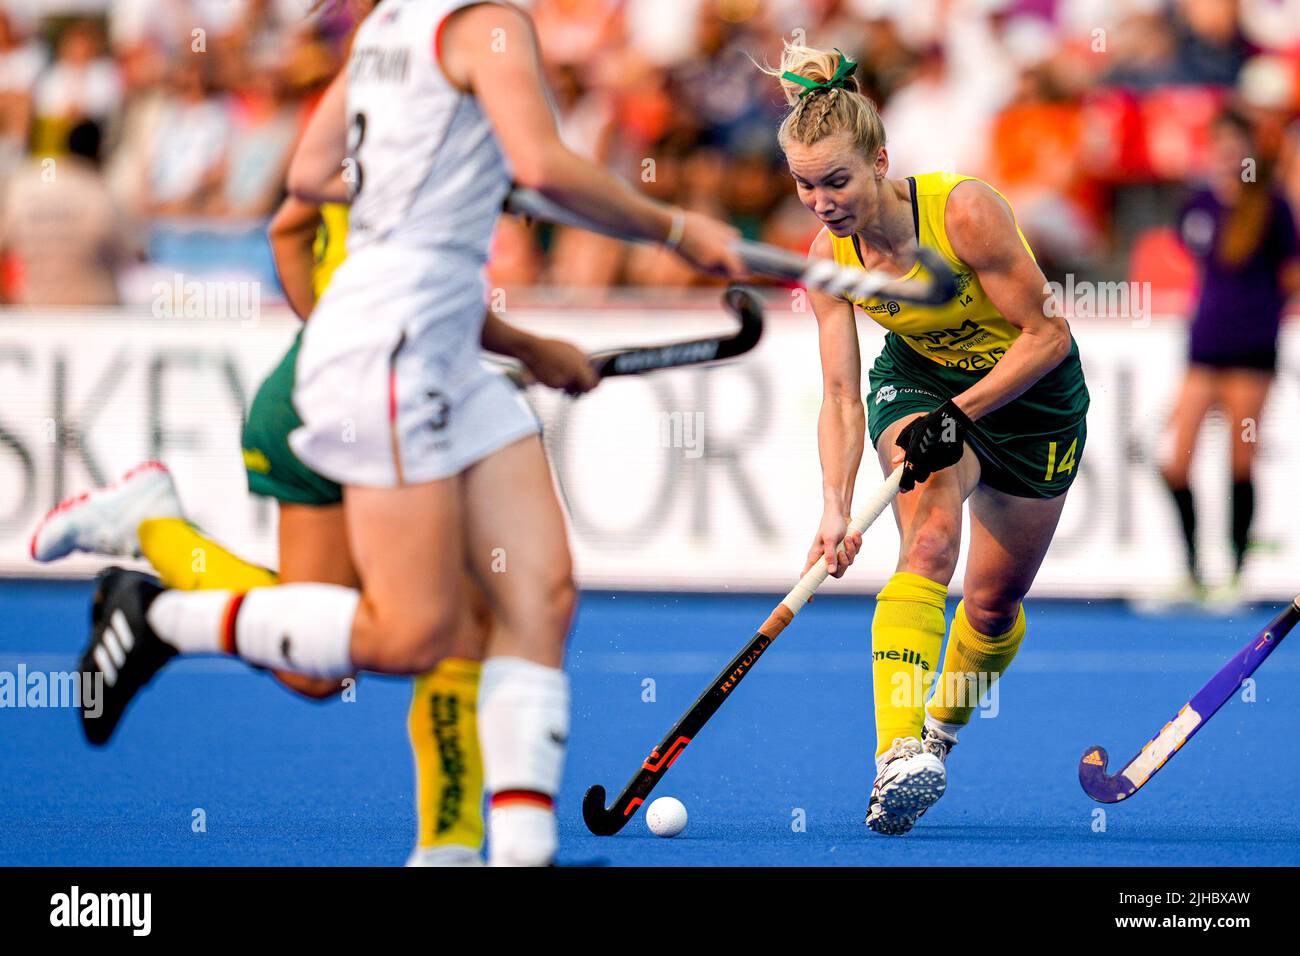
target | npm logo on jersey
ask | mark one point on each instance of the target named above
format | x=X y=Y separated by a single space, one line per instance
x=676 y=480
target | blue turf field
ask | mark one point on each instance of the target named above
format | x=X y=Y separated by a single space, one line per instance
x=282 y=781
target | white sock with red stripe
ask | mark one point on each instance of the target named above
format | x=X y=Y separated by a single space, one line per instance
x=305 y=628
x=523 y=726
x=190 y=621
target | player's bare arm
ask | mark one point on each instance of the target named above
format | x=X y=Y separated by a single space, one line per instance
x=552 y=362
x=292 y=232
x=318 y=172
x=491 y=50
x=842 y=421
x=983 y=234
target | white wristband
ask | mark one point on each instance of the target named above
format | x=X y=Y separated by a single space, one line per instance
x=677 y=231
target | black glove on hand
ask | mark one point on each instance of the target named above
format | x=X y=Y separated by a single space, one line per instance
x=932 y=443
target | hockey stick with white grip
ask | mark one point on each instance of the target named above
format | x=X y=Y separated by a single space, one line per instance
x=604 y=821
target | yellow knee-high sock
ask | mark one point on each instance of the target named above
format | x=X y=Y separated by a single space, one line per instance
x=188 y=560
x=906 y=637
x=972 y=664
x=443 y=725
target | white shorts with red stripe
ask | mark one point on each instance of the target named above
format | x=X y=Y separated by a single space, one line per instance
x=389 y=384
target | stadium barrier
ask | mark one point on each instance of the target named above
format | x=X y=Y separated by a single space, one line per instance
x=683 y=480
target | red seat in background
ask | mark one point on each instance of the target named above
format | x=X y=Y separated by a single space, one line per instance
x=1160 y=258
x=1176 y=121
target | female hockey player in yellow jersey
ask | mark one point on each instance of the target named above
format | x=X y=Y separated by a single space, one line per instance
x=981 y=399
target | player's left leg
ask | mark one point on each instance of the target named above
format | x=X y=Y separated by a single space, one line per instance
x=1009 y=538
x=907 y=636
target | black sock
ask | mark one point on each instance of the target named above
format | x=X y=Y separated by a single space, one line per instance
x=1243 y=511
x=1187 y=517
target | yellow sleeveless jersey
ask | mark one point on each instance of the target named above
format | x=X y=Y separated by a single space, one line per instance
x=967 y=332
x=331 y=245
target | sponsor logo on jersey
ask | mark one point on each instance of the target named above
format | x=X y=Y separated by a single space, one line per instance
x=964 y=336
x=977 y=361
x=886 y=393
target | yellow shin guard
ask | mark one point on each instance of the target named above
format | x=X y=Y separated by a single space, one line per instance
x=906 y=638
x=443 y=725
x=188 y=560
x=971 y=666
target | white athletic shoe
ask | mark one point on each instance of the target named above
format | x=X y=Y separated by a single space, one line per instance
x=104 y=521
x=937 y=741
x=909 y=779
x=449 y=855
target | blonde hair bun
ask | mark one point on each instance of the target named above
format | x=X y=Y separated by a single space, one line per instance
x=818 y=109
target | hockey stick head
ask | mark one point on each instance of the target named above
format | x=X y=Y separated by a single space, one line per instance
x=600 y=821
x=1097 y=783
x=742 y=303
x=747 y=307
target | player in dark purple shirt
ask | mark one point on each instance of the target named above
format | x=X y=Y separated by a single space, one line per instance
x=1243 y=236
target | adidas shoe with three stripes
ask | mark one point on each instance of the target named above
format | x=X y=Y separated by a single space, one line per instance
x=124 y=652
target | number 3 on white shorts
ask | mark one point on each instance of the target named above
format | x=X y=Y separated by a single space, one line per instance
x=1067 y=461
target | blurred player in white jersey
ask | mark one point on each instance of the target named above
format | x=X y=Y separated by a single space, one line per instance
x=441 y=106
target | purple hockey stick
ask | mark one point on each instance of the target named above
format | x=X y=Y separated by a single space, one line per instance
x=1112 y=788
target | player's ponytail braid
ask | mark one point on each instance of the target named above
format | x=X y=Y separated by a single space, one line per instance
x=825 y=100
x=808 y=119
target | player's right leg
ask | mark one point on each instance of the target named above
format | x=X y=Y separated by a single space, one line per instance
x=520 y=556
x=410 y=556
x=907 y=636
x=314 y=547
x=442 y=727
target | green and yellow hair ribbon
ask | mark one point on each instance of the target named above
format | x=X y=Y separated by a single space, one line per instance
x=838 y=81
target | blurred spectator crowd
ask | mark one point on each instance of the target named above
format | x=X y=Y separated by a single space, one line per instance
x=146 y=138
